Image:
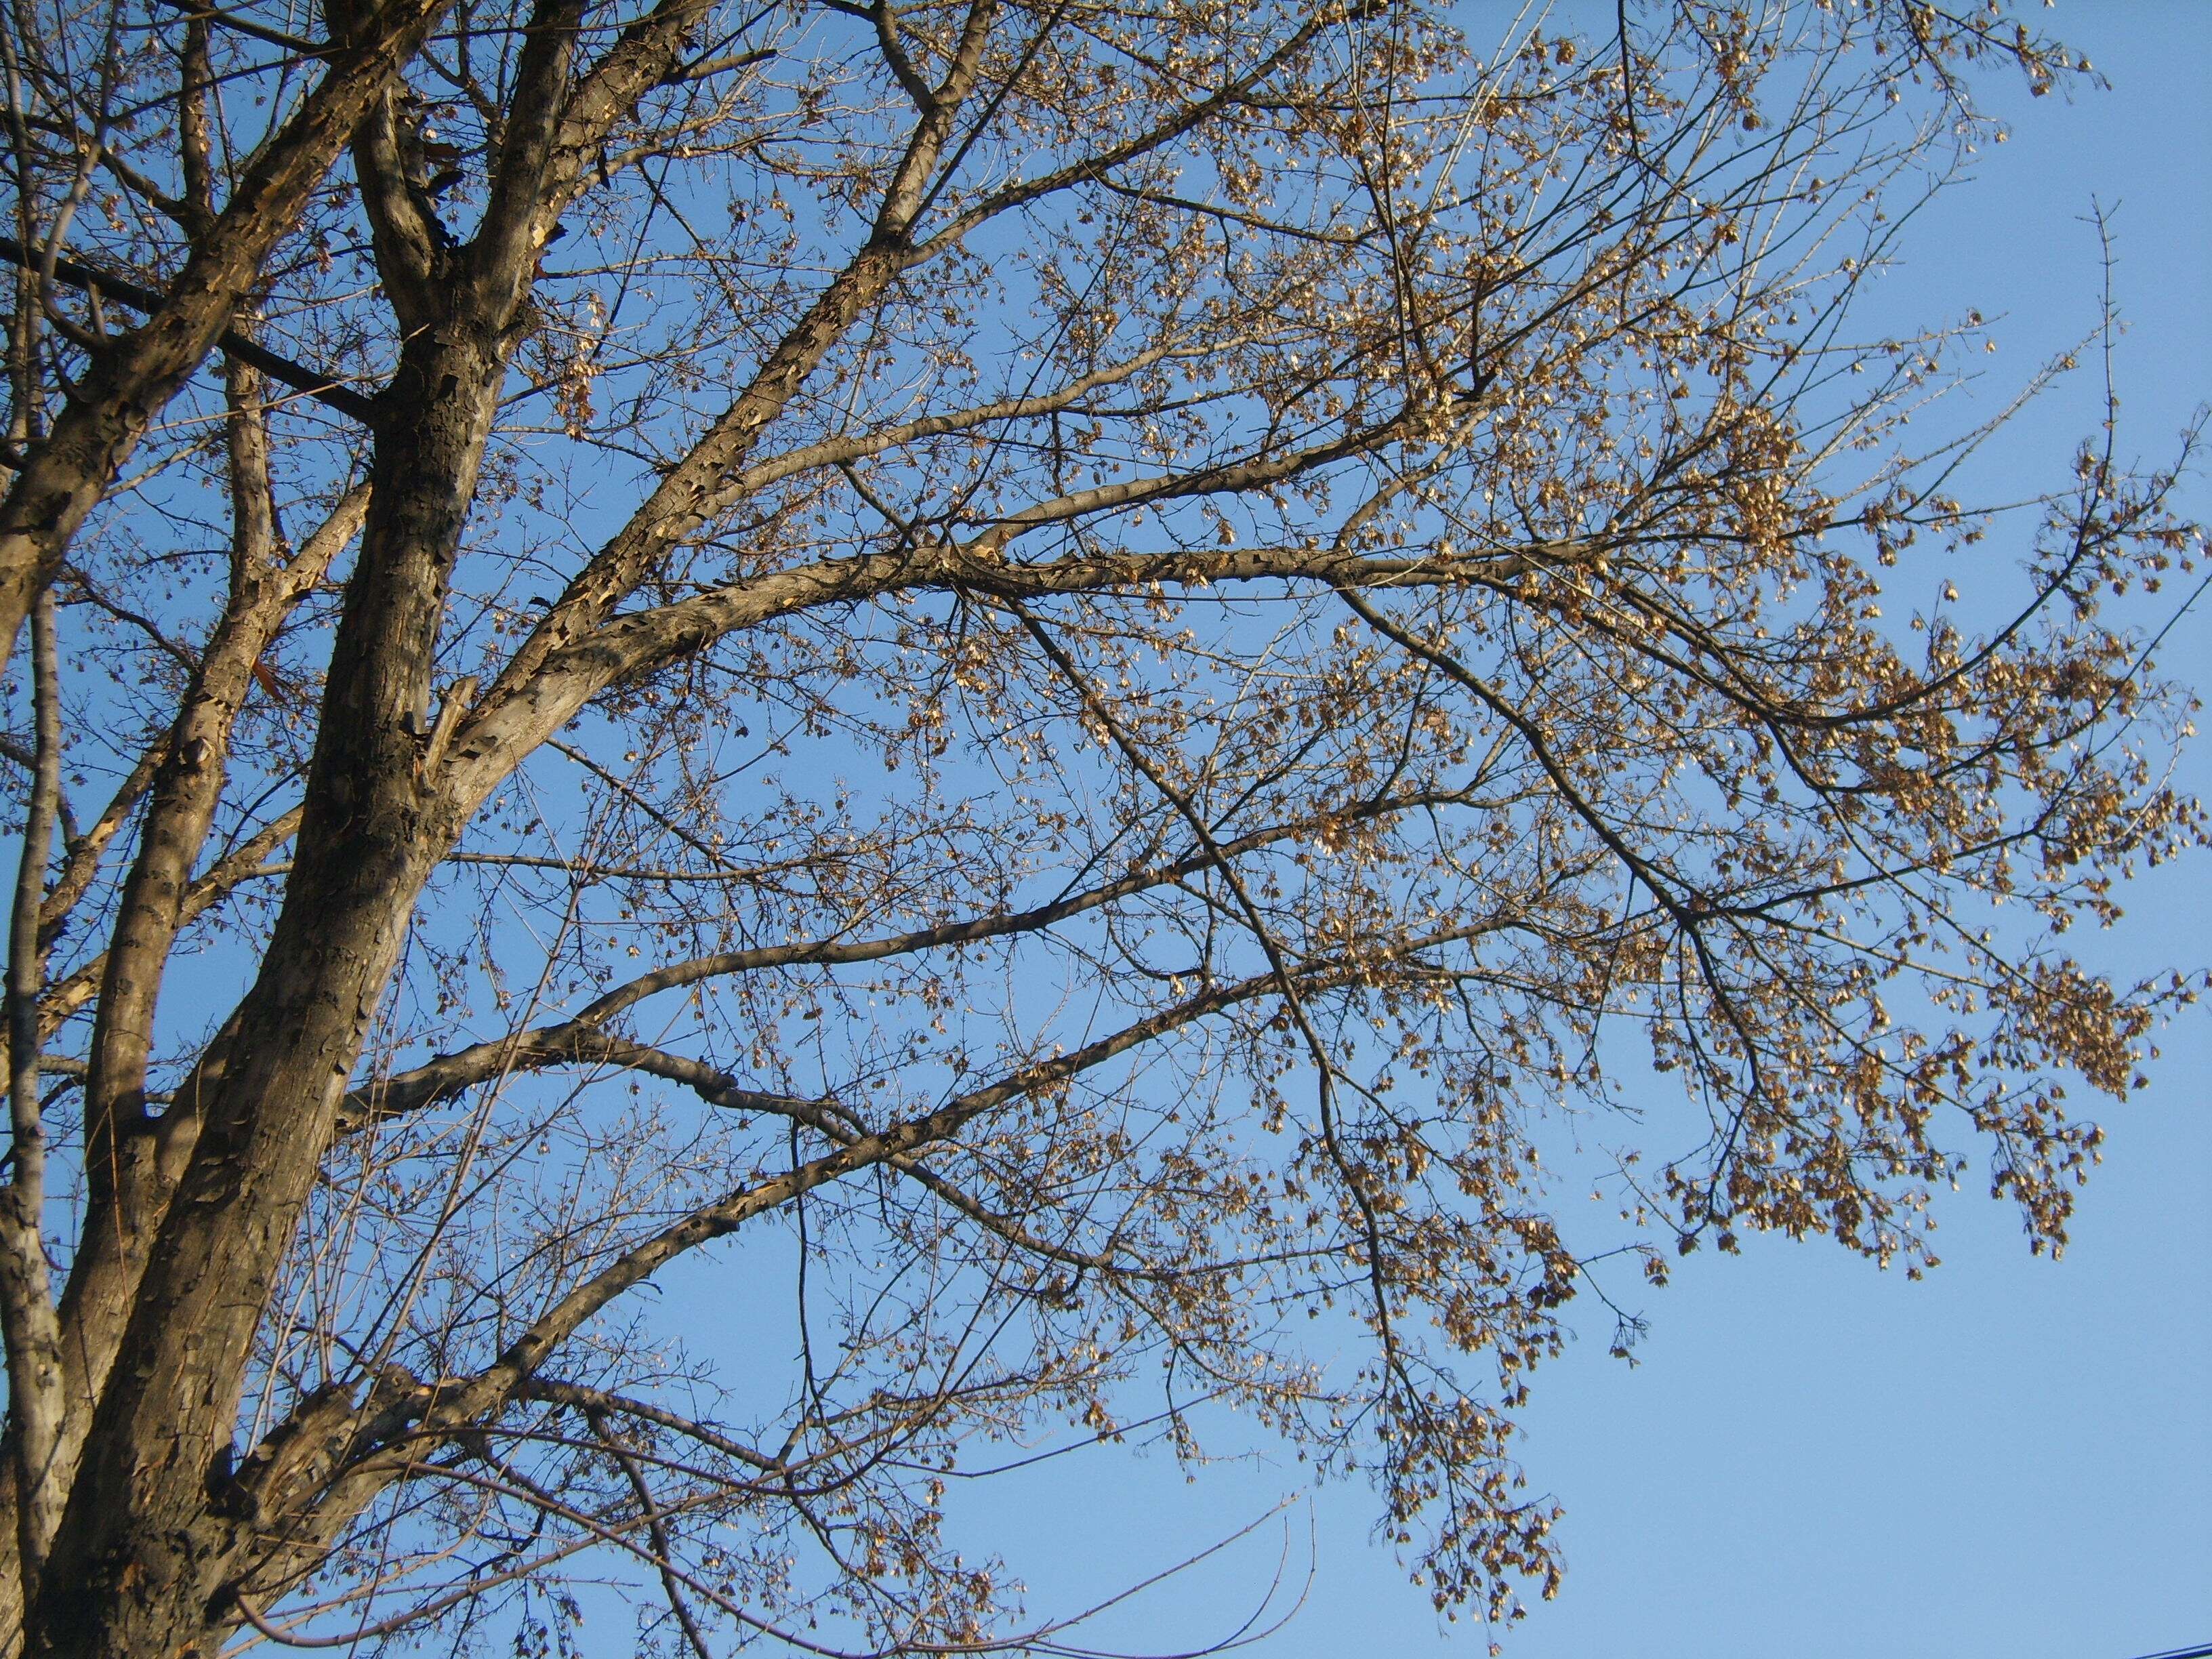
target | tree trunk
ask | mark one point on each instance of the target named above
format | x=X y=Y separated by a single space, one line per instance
x=141 y=1560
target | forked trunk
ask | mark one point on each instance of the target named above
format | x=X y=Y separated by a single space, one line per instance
x=146 y=1546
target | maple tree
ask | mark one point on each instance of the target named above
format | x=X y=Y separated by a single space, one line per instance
x=1032 y=692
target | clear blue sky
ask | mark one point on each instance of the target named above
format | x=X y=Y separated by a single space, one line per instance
x=1813 y=1459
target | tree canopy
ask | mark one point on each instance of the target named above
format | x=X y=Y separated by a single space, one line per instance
x=1042 y=698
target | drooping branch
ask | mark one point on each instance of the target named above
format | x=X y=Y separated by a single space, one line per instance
x=327 y=390
x=584 y=1039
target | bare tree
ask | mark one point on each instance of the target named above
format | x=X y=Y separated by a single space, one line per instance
x=1030 y=693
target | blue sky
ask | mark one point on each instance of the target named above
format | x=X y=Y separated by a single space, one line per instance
x=2011 y=1458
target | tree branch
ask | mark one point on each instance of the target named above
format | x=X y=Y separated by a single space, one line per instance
x=330 y=392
